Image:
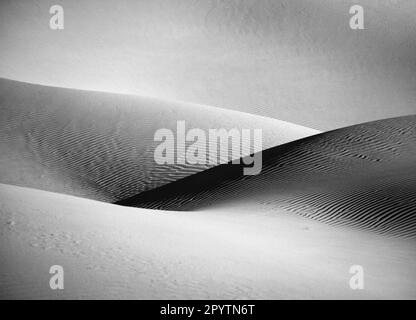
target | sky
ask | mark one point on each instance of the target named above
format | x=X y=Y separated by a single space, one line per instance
x=294 y=60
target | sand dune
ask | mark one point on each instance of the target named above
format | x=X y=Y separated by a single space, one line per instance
x=294 y=60
x=362 y=176
x=101 y=145
x=322 y=203
x=108 y=251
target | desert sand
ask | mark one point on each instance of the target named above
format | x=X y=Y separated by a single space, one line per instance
x=362 y=176
x=320 y=205
x=108 y=251
x=79 y=186
x=101 y=145
x=293 y=60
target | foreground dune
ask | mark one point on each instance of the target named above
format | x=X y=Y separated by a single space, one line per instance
x=110 y=251
x=101 y=145
x=362 y=176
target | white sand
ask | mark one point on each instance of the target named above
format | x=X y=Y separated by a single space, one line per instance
x=109 y=251
x=294 y=60
x=101 y=145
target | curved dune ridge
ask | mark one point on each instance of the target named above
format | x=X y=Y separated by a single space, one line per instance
x=361 y=176
x=101 y=145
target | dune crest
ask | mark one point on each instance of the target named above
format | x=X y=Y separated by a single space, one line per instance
x=101 y=145
x=362 y=176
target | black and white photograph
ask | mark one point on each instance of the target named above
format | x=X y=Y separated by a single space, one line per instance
x=227 y=150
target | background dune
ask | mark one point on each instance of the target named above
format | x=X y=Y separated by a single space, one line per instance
x=362 y=176
x=101 y=145
x=294 y=60
x=109 y=251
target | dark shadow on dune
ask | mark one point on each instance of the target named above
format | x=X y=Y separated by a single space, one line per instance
x=362 y=176
x=101 y=145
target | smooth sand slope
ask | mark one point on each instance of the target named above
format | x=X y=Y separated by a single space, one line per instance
x=101 y=145
x=109 y=251
x=362 y=176
x=294 y=60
